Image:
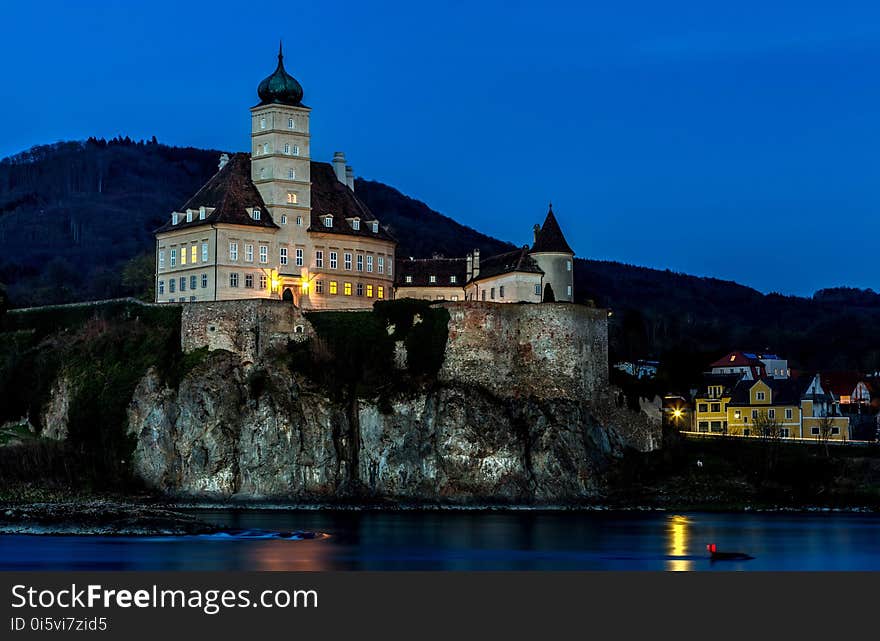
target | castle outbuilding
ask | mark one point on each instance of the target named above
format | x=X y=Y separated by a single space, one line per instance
x=276 y=224
x=542 y=272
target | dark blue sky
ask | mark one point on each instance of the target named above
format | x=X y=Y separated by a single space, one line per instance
x=739 y=141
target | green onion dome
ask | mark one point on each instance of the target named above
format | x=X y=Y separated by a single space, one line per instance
x=280 y=87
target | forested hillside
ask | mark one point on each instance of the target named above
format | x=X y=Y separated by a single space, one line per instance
x=76 y=223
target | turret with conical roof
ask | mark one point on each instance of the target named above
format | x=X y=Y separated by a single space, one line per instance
x=555 y=257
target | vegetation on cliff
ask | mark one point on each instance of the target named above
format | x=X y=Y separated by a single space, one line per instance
x=100 y=352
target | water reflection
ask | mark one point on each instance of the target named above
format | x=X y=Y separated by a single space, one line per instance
x=678 y=538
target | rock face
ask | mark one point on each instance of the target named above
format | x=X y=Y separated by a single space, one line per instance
x=232 y=430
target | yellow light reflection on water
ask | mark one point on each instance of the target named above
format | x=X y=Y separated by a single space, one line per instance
x=677 y=540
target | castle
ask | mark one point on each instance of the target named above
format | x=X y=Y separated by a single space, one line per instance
x=275 y=224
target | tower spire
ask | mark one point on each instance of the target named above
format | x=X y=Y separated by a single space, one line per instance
x=280 y=51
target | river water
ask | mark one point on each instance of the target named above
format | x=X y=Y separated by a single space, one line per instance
x=473 y=541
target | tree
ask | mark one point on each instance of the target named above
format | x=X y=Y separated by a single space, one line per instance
x=549 y=296
x=139 y=277
x=4 y=300
x=826 y=427
x=769 y=430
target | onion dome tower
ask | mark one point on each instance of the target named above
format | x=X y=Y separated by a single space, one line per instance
x=280 y=88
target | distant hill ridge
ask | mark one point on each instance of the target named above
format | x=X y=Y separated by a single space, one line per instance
x=73 y=215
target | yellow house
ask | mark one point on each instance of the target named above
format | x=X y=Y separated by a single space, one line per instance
x=778 y=408
x=710 y=405
x=769 y=407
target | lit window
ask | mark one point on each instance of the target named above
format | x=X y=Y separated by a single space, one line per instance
x=568 y=265
x=193 y=253
x=283 y=219
x=408 y=279
x=161 y=259
x=346 y=289
x=369 y=263
x=263 y=281
x=319 y=258
x=737 y=414
x=319 y=286
x=256 y=214
x=189 y=215
x=283 y=256
x=204 y=252
x=360 y=289
x=233 y=279
x=381 y=265
x=291 y=174
x=369 y=291
x=183 y=255
x=380 y=292
x=334 y=260
x=432 y=278
x=332 y=286
x=204 y=281
x=356 y=224
x=453 y=297
x=299 y=257
x=290 y=123
x=375 y=226
x=452 y=279
x=328 y=221
x=233 y=251
x=161 y=287
x=202 y=213
x=360 y=262
x=347 y=261
x=291 y=198
x=172 y=286
x=249 y=280
x=264 y=254
x=173 y=257
x=568 y=290
x=262 y=123
x=248 y=253
x=174 y=219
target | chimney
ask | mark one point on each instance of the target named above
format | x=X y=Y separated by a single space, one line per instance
x=339 y=166
x=536 y=230
x=224 y=158
x=470 y=268
x=349 y=177
x=476 y=263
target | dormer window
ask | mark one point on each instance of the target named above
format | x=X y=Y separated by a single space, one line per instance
x=356 y=224
x=432 y=279
x=174 y=218
x=452 y=279
x=328 y=221
x=375 y=226
x=256 y=213
x=202 y=213
x=408 y=279
x=189 y=215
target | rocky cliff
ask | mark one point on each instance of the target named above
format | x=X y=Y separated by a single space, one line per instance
x=220 y=435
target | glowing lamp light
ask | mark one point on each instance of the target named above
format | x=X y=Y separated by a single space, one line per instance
x=677 y=413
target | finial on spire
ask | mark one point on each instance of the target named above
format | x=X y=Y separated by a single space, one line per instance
x=551 y=206
x=280 y=51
